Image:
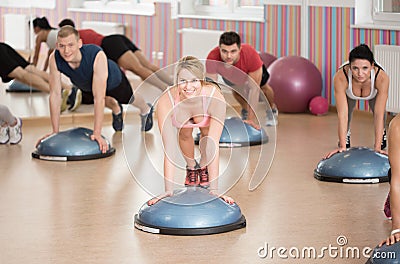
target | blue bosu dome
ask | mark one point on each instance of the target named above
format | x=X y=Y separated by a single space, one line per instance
x=19 y=87
x=236 y=133
x=190 y=211
x=68 y=145
x=355 y=165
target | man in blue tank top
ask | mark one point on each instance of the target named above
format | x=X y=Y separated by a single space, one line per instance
x=89 y=69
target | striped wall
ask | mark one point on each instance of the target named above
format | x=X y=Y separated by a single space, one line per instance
x=331 y=36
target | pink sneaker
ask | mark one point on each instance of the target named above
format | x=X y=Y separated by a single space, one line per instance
x=203 y=175
x=192 y=177
x=386 y=207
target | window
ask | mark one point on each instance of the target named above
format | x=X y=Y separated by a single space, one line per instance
x=132 y=7
x=386 y=11
x=50 y=4
x=249 y=10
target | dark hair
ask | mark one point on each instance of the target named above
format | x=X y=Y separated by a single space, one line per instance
x=42 y=23
x=229 y=38
x=66 y=22
x=361 y=52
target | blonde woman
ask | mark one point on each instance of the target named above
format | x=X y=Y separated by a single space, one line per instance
x=191 y=103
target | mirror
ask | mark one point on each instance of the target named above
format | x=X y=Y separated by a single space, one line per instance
x=15 y=17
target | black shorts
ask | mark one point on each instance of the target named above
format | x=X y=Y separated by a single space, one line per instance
x=122 y=93
x=116 y=45
x=10 y=59
x=264 y=77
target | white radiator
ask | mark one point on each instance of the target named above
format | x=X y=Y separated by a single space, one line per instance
x=104 y=28
x=16 y=31
x=199 y=42
x=389 y=57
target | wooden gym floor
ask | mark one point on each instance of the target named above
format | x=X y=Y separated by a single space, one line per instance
x=81 y=212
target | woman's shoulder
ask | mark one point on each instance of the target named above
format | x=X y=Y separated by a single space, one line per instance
x=42 y=35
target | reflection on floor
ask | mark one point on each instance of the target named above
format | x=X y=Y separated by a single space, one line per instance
x=81 y=212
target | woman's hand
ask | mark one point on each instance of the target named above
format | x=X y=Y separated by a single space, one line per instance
x=390 y=240
x=380 y=151
x=330 y=154
x=158 y=198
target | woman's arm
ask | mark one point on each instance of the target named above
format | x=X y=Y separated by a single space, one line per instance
x=40 y=37
x=382 y=85
x=217 y=111
x=169 y=140
x=340 y=85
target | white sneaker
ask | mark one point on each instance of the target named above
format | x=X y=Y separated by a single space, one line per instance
x=272 y=117
x=16 y=132
x=4 y=136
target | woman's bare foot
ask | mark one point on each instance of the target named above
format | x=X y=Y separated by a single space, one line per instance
x=158 y=198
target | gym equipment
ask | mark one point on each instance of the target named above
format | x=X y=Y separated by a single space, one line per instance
x=355 y=165
x=318 y=105
x=295 y=81
x=189 y=211
x=19 y=87
x=236 y=133
x=70 y=145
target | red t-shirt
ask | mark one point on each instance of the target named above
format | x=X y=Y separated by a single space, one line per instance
x=249 y=61
x=90 y=36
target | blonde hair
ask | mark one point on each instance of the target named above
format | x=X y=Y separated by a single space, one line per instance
x=192 y=64
x=66 y=31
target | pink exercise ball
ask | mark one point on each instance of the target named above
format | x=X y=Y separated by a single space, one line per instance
x=318 y=105
x=267 y=58
x=295 y=81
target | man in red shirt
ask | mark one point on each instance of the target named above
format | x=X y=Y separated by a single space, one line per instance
x=245 y=59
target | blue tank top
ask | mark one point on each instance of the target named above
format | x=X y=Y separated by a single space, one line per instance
x=82 y=76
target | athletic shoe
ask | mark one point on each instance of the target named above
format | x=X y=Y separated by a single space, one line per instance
x=384 y=140
x=244 y=114
x=203 y=175
x=4 y=135
x=272 y=117
x=16 y=132
x=118 y=122
x=386 y=207
x=147 y=119
x=74 y=99
x=192 y=177
x=64 y=100
x=348 y=145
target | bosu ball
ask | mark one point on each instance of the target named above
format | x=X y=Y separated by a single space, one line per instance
x=355 y=165
x=19 y=87
x=237 y=133
x=71 y=145
x=189 y=211
x=385 y=255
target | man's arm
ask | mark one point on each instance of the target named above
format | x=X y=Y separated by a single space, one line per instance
x=254 y=92
x=100 y=75
x=55 y=94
